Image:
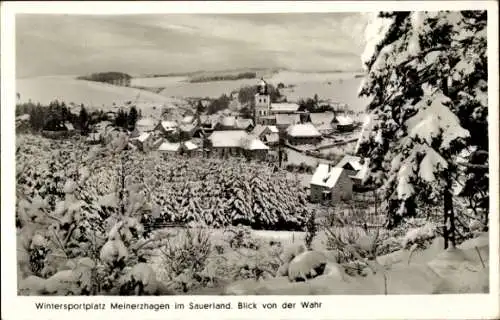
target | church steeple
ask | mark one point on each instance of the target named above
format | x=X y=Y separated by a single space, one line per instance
x=262 y=87
x=262 y=101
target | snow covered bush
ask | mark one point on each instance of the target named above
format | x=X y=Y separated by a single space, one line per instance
x=426 y=135
x=241 y=237
x=184 y=257
x=419 y=236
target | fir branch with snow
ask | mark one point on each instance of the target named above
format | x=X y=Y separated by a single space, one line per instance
x=426 y=76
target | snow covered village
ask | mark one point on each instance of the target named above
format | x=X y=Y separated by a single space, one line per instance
x=350 y=173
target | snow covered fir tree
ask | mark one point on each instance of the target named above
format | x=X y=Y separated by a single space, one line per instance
x=427 y=131
x=189 y=199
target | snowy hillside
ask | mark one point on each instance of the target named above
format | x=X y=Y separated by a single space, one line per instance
x=92 y=94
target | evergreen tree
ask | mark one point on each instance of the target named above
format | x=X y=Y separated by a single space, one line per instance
x=199 y=108
x=121 y=119
x=132 y=118
x=427 y=80
x=83 y=120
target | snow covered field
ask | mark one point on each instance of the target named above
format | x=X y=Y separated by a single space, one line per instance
x=91 y=94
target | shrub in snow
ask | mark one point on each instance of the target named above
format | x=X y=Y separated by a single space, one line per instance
x=139 y=280
x=184 y=258
x=241 y=237
x=307 y=265
x=419 y=236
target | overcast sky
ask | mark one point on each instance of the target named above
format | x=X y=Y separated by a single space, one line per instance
x=139 y=44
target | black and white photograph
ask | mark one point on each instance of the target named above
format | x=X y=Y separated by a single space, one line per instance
x=247 y=154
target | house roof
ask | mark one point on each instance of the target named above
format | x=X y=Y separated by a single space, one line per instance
x=228 y=121
x=243 y=123
x=324 y=127
x=326 y=176
x=272 y=137
x=353 y=161
x=143 y=136
x=169 y=146
x=146 y=124
x=287 y=119
x=190 y=145
x=232 y=138
x=256 y=144
x=303 y=130
x=187 y=127
x=344 y=121
x=69 y=126
x=188 y=119
x=169 y=125
x=322 y=117
x=284 y=107
x=258 y=129
x=363 y=172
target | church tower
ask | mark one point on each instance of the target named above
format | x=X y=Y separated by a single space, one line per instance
x=262 y=101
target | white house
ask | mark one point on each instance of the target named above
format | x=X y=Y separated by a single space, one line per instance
x=330 y=184
x=143 y=142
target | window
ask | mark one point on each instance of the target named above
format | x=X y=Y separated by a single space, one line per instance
x=260 y=100
x=327 y=195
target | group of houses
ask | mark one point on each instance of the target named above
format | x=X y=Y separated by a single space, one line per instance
x=301 y=127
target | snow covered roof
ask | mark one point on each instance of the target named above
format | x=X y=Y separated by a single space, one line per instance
x=256 y=144
x=190 y=145
x=243 y=123
x=146 y=124
x=272 y=137
x=344 y=121
x=169 y=125
x=354 y=161
x=287 y=119
x=169 y=146
x=303 y=130
x=326 y=175
x=188 y=119
x=322 y=117
x=273 y=129
x=284 y=107
x=232 y=138
x=143 y=136
x=258 y=129
x=187 y=127
x=228 y=121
